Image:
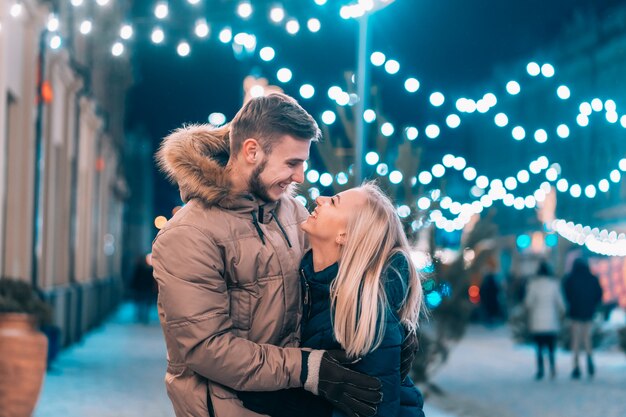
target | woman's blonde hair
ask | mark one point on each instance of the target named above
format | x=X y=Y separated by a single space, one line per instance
x=358 y=298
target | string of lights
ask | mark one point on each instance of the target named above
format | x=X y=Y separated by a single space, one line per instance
x=464 y=105
x=481 y=182
x=248 y=41
x=485 y=191
x=277 y=15
x=604 y=242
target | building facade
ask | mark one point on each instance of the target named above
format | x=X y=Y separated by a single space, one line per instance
x=62 y=189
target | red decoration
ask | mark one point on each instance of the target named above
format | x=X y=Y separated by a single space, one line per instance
x=100 y=164
x=47 y=94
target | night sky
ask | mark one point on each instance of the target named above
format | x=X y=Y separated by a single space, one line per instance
x=449 y=45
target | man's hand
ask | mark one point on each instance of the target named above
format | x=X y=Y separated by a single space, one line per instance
x=407 y=354
x=353 y=393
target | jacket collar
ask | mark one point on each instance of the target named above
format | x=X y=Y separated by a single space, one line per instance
x=244 y=204
x=324 y=276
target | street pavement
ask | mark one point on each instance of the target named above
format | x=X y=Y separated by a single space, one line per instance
x=488 y=375
x=116 y=371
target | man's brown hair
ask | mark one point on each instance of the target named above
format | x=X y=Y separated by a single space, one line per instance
x=269 y=118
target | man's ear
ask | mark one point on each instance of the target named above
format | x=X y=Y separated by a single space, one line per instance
x=341 y=239
x=251 y=151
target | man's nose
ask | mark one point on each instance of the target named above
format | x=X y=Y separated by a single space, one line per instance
x=298 y=175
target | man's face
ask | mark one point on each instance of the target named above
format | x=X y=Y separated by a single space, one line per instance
x=276 y=171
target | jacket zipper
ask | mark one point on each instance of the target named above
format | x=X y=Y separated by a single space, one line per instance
x=307 y=294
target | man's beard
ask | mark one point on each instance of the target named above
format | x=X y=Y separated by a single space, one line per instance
x=256 y=186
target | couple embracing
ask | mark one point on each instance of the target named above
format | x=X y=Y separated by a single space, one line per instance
x=267 y=309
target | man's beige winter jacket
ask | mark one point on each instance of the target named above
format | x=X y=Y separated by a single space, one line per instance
x=229 y=291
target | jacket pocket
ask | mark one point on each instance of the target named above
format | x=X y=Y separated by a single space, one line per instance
x=241 y=308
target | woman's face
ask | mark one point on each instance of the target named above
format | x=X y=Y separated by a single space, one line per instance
x=330 y=218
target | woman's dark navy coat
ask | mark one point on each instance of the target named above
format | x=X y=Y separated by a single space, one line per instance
x=384 y=361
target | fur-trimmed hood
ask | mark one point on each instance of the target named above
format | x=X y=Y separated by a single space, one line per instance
x=195 y=157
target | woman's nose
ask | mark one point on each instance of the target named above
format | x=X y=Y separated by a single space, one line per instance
x=320 y=200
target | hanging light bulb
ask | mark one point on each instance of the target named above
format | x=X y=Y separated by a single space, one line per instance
x=16 y=9
x=244 y=10
x=53 y=23
x=161 y=10
x=126 y=32
x=202 y=28
x=277 y=14
x=85 y=27
x=157 y=36
x=55 y=42
x=117 y=49
x=183 y=49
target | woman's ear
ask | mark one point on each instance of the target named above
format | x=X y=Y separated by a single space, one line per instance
x=341 y=239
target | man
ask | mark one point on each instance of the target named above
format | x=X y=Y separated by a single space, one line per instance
x=583 y=295
x=227 y=267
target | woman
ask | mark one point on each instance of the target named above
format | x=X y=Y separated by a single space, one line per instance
x=359 y=288
x=545 y=307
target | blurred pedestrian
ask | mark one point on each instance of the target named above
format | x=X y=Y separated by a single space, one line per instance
x=545 y=306
x=583 y=295
x=490 y=298
x=144 y=288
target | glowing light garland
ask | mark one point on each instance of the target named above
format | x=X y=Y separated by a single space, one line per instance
x=278 y=15
x=599 y=241
x=604 y=242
